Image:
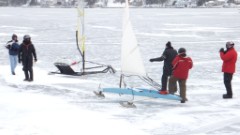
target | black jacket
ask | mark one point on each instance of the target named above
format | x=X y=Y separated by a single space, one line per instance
x=26 y=54
x=168 y=55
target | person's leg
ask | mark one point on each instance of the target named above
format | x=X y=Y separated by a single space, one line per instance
x=172 y=86
x=26 y=75
x=31 y=74
x=164 y=80
x=25 y=69
x=227 y=82
x=15 y=61
x=11 y=58
x=182 y=85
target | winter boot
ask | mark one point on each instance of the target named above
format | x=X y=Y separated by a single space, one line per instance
x=31 y=75
x=26 y=75
x=183 y=101
x=226 y=96
x=163 y=92
x=13 y=73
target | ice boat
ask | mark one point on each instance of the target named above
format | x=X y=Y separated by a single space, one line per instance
x=132 y=65
x=95 y=68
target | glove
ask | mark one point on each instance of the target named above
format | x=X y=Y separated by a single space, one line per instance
x=221 y=50
x=8 y=46
x=35 y=60
x=19 y=60
x=151 y=60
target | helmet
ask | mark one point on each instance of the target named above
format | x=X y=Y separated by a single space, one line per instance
x=229 y=44
x=26 y=37
x=181 y=50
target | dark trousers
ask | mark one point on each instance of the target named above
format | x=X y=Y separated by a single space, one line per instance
x=165 y=76
x=27 y=68
x=227 y=78
x=173 y=86
x=28 y=74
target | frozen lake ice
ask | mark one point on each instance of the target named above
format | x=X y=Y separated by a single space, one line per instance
x=201 y=31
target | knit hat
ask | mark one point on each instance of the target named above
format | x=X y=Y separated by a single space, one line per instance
x=168 y=44
x=181 y=51
x=14 y=36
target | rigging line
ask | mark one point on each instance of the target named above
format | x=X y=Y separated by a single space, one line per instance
x=99 y=66
x=96 y=63
x=151 y=80
x=151 y=83
x=106 y=60
x=147 y=80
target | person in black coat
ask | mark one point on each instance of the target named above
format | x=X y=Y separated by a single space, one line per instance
x=26 y=54
x=168 y=55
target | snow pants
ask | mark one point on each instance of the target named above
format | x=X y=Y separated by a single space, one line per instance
x=27 y=68
x=227 y=78
x=165 y=75
x=173 y=86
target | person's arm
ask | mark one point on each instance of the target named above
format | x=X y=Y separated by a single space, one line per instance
x=8 y=44
x=34 y=54
x=163 y=57
x=20 y=54
x=226 y=57
x=190 y=63
x=15 y=47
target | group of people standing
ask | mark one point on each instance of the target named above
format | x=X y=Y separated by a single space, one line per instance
x=23 y=53
x=177 y=65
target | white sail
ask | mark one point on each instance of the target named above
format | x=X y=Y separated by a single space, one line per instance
x=80 y=27
x=131 y=61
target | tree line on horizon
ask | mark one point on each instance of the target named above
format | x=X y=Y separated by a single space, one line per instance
x=91 y=3
x=18 y=2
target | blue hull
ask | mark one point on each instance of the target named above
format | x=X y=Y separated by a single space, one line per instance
x=141 y=92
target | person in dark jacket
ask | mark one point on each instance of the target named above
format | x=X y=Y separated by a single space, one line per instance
x=229 y=58
x=168 y=55
x=181 y=66
x=26 y=54
x=13 y=48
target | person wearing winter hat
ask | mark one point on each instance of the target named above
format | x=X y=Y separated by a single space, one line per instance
x=26 y=54
x=229 y=58
x=167 y=56
x=13 y=48
x=181 y=66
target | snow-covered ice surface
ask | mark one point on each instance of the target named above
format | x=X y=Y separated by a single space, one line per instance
x=60 y=105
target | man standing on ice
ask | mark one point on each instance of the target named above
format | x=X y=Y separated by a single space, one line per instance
x=181 y=66
x=168 y=55
x=13 y=48
x=26 y=54
x=229 y=58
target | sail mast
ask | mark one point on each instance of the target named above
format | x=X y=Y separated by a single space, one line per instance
x=80 y=32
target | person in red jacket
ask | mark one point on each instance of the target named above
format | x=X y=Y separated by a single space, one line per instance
x=181 y=65
x=229 y=58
